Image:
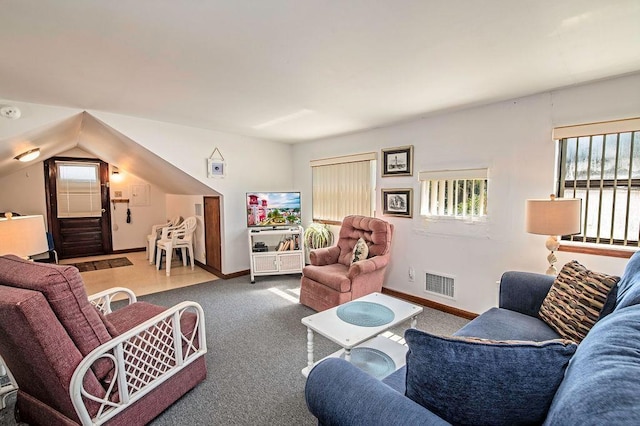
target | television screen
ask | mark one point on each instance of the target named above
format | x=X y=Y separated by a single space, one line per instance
x=273 y=209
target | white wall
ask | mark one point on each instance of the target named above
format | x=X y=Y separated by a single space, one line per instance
x=251 y=165
x=511 y=138
x=143 y=217
x=23 y=191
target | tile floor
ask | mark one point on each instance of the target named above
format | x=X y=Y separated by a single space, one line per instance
x=141 y=277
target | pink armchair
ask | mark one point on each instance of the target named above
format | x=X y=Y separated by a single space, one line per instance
x=331 y=279
x=76 y=361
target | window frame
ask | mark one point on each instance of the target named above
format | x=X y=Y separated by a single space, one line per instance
x=594 y=186
x=449 y=179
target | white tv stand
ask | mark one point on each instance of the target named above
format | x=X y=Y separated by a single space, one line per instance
x=272 y=261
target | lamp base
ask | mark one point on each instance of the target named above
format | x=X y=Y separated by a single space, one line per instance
x=552 y=259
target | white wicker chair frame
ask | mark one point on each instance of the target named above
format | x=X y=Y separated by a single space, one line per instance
x=103 y=300
x=144 y=358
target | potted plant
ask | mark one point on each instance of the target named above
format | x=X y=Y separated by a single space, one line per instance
x=317 y=235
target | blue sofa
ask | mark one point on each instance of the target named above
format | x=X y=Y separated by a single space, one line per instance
x=600 y=383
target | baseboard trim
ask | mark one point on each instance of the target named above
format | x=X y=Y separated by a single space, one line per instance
x=219 y=274
x=131 y=250
x=430 y=304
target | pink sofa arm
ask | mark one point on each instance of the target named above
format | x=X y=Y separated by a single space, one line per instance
x=368 y=265
x=324 y=256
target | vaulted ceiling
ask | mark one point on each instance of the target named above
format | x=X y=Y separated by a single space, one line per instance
x=295 y=70
x=98 y=139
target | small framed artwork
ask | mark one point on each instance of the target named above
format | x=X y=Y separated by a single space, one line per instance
x=397 y=161
x=215 y=168
x=397 y=202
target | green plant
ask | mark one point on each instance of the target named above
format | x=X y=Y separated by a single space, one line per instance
x=318 y=235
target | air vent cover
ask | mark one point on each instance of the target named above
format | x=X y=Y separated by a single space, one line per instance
x=440 y=284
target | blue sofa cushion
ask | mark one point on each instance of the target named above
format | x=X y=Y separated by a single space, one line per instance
x=576 y=300
x=503 y=324
x=471 y=381
x=629 y=285
x=602 y=383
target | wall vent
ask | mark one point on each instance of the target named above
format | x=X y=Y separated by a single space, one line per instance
x=439 y=284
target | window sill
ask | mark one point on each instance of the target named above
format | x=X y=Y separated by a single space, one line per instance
x=598 y=250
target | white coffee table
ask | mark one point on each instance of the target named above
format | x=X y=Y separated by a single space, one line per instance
x=364 y=337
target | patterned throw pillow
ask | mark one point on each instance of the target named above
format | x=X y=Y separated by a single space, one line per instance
x=471 y=381
x=360 y=251
x=575 y=301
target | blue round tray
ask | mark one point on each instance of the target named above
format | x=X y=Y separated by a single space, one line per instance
x=365 y=314
x=372 y=361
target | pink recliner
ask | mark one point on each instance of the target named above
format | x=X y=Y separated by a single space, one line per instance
x=332 y=279
x=78 y=362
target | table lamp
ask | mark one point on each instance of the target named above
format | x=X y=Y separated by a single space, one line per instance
x=553 y=217
x=23 y=236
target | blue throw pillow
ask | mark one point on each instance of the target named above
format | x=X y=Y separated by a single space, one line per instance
x=476 y=381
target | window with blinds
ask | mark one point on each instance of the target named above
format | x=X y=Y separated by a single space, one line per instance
x=78 y=189
x=600 y=164
x=458 y=194
x=343 y=186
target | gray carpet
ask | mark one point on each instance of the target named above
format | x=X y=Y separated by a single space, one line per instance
x=256 y=351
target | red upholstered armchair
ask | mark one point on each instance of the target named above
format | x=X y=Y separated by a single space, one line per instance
x=332 y=279
x=78 y=362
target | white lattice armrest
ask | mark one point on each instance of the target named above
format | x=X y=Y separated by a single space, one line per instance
x=102 y=300
x=143 y=358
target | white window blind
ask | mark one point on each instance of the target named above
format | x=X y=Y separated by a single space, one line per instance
x=458 y=194
x=343 y=186
x=78 y=189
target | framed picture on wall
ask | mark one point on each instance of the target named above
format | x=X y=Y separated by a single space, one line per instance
x=397 y=202
x=397 y=161
x=215 y=168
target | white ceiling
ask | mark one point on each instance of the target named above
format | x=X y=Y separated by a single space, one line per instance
x=295 y=70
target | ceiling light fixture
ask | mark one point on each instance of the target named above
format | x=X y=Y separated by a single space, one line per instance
x=10 y=112
x=32 y=154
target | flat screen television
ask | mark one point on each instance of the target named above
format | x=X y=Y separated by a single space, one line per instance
x=273 y=209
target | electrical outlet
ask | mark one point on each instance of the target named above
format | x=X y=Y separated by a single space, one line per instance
x=412 y=274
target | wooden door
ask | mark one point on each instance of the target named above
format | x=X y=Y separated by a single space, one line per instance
x=213 y=241
x=79 y=236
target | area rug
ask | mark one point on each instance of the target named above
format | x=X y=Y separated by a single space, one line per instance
x=96 y=265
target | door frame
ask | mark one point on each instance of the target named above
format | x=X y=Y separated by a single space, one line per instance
x=50 y=176
x=212 y=235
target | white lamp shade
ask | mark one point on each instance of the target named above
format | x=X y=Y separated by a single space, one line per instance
x=560 y=216
x=23 y=236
